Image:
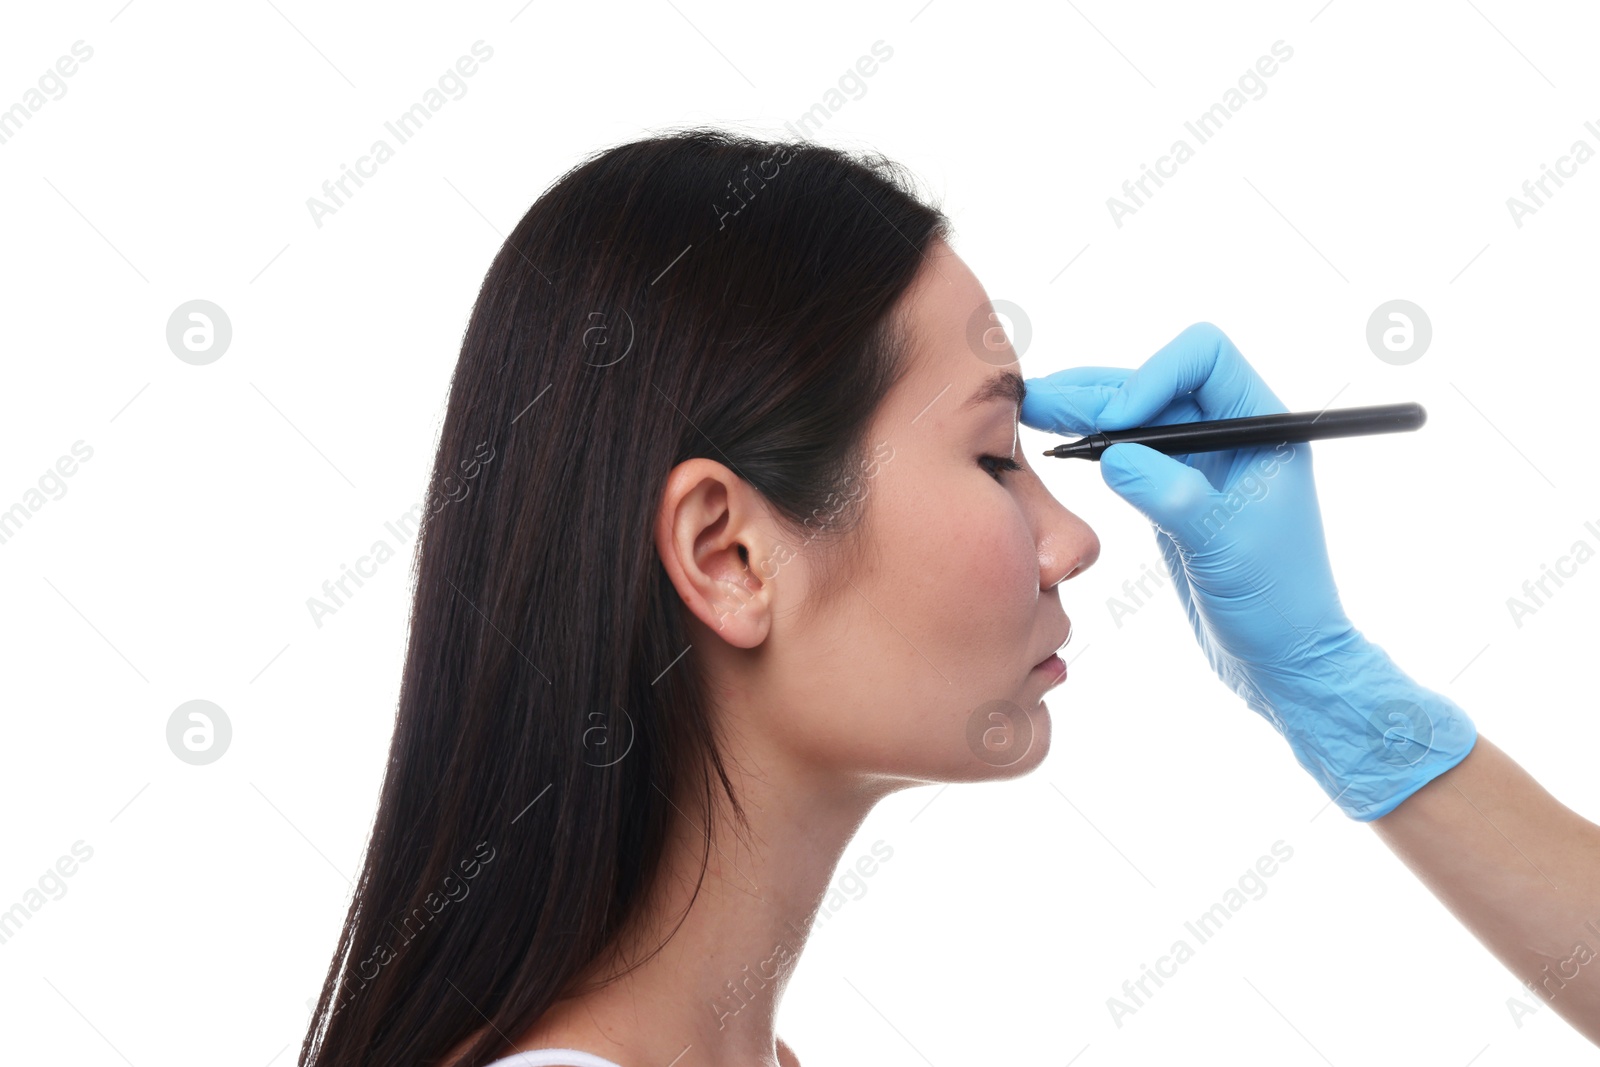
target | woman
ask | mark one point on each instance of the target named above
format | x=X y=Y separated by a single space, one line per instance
x=716 y=590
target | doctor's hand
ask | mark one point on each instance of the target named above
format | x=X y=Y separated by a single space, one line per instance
x=1241 y=535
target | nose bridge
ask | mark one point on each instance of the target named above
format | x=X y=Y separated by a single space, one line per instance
x=1066 y=544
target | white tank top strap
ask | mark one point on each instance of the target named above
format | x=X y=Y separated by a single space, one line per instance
x=553 y=1057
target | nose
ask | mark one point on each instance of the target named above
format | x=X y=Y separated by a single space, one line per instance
x=1067 y=545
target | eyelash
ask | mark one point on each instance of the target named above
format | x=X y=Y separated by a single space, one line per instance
x=1002 y=463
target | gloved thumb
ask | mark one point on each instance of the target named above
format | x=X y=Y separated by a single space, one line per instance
x=1170 y=494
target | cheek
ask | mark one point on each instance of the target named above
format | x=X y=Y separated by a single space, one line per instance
x=991 y=553
x=977 y=567
x=953 y=567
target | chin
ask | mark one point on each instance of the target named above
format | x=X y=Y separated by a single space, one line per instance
x=1005 y=739
x=1028 y=761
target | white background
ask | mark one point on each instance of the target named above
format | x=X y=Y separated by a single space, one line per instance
x=219 y=498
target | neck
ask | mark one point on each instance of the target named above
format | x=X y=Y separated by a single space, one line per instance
x=716 y=985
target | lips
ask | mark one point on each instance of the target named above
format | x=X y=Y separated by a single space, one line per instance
x=1054 y=668
x=1066 y=636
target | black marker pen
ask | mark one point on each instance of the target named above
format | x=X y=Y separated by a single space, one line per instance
x=1218 y=434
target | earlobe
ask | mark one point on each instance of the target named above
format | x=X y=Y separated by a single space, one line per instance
x=706 y=535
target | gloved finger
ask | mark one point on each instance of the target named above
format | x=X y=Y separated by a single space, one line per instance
x=1168 y=493
x=1068 y=400
x=1203 y=361
x=1059 y=404
x=1075 y=376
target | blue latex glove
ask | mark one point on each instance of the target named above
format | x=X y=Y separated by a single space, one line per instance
x=1241 y=534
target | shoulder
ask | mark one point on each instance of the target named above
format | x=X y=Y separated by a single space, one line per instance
x=786 y=1056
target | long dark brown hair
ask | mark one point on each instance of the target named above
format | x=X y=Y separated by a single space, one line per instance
x=698 y=293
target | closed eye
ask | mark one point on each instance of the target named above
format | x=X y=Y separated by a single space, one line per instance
x=996 y=465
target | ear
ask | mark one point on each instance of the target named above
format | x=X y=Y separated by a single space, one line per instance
x=710 y=540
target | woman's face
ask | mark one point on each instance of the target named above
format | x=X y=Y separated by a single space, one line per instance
x=921 y=665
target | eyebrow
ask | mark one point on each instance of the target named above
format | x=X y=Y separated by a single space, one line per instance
x=1005 y=386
